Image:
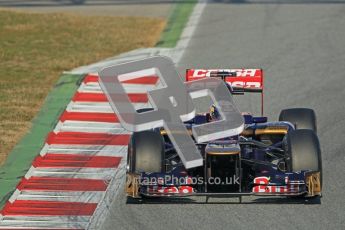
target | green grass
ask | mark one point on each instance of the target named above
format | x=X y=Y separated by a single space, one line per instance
x=176 y=23
x=36 y=48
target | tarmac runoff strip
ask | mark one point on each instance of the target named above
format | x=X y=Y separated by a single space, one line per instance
x=81 y=167
x=79 y=162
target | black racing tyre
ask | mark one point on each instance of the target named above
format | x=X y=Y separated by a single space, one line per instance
x=302 y=118
x=303 y=152
x=146 y=152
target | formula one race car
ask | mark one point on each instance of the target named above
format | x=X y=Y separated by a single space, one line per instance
x=268 y=158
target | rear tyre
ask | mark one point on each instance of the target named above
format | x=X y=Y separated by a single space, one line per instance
x=146 y=152
x=301 y=118
x=303 y=151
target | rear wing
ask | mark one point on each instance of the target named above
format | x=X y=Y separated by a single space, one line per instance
x=240 y=80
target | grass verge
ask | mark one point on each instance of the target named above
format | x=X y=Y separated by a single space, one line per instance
x=176 y=23
x=36 y=48
x=21 y=157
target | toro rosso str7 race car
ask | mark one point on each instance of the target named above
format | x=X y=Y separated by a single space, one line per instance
x=267 y=158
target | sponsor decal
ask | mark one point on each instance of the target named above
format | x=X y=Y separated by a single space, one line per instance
x=262 y=185
x=245 y=78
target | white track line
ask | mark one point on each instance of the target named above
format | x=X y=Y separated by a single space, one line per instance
x=99 y=107
x=81 y=173
x=93 y=127
x=188 y=31
x=94 y=150
x=84 y=196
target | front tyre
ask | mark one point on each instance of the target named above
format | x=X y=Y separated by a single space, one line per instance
x=146 y=152
x=302 y=149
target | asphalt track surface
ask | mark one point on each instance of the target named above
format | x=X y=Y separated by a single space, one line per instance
x=301 y=47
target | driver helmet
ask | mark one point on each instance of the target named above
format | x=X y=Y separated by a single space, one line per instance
x=214 y=114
